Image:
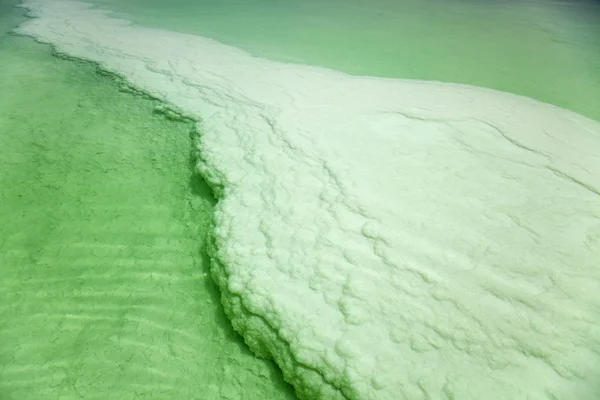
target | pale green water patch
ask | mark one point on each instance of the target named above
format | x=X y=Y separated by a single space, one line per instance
x=105 y=291
x=546 y=50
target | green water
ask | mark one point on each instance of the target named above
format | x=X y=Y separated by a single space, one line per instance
x=105 y=291
x=547 y=50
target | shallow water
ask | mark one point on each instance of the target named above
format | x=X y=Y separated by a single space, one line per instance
x=548 y=50
x=105 y=291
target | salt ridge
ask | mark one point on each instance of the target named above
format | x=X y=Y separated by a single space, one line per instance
x=378 y=238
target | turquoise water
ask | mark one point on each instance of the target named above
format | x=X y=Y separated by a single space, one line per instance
x=548 y=50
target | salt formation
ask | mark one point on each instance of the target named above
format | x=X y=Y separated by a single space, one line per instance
x=378 y=238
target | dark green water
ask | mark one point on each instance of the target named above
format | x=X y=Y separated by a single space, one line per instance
x=105 y=291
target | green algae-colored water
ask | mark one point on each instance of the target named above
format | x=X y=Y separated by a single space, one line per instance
x=548 y=50
x=105 y=291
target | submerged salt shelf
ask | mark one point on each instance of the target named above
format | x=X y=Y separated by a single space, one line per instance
x=378 y=238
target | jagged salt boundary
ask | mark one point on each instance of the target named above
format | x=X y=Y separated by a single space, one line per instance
x=381 y=239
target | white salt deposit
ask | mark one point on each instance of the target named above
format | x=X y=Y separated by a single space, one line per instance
x=381 y=239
